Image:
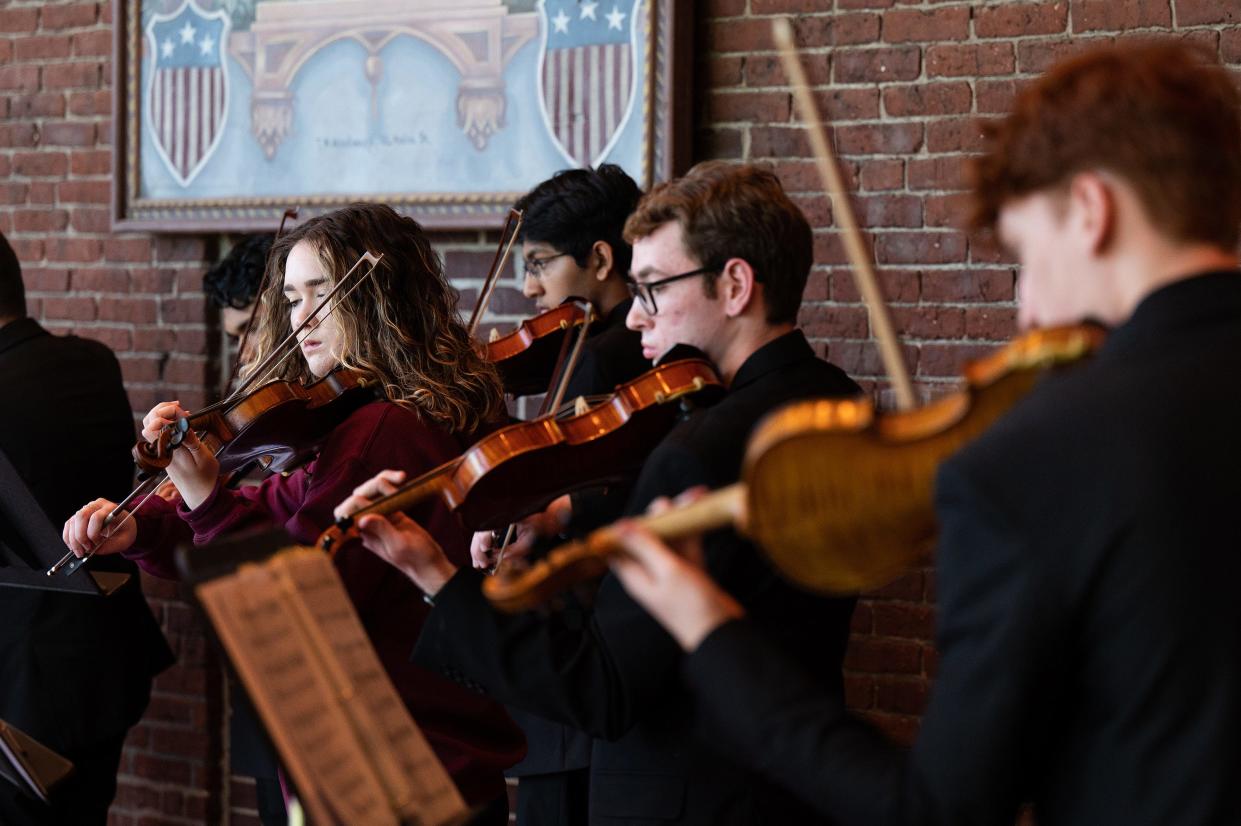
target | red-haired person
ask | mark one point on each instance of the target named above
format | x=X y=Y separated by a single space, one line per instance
x=1089 y=629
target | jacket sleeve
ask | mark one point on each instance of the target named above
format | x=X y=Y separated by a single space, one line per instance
x=983 y=720
x=596 y=672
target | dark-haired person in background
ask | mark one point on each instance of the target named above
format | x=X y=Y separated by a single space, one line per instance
x=572 y=240
x=232 y=284
x=1089 y=629
x=75 y=670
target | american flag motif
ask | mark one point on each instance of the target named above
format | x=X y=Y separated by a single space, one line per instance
x=188 y=93
x=587 y=76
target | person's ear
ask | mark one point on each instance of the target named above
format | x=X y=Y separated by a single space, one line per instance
x=602 y=260
x=737 y=285
x=1092 y=210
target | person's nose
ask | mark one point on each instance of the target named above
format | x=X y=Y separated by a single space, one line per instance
x=531 y=288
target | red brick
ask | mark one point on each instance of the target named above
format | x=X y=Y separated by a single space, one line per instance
x=90 y=219
x=163 y=769
x=1204 y=12
x=903 y=696
x=724 y=8
x=970 y=60
x=864 y=4
x=882 y=174
x=181 y=310
x=920 y=248
x=91 y=163
x=995 y=96
x=192 y=248
x=19 y=20
x=877 y=65
x=766 y=70
x=43 y=192
x=151 y=281
x=40 y=220
x=820 y=321
x=153 y=339
x=948 y=359
x=6 y=52
x=903 y=729
x=127 y=249
x=803 y=175
x=69 y=15
x=11 y=193
x=859 y=692
x=93 y=44
x=100 y=279
x=881 y=139
x=38 y=105
x=927 y=99
x=947 y=211
x=192 y=342
x=68 y=133
x=32 y=47
x=889 y=211
x=18 y=134
x=118 y=339
x=897 y=286
x=938 y=172
x=1107 y=15
x=1230 y=46
x=1038 y=56
x=954 y=135
x=778 y=142
x=189 y=370
x=84 y=192
x=785 y=6
x=72 y=75
x=19 y=78
x=73 y=249
x=929 y=322
x=840 y=30
x=990 y=323
x=190 y=280
x=29 y=250
x=131 y=309
x=741 y=35
x=816 y=208
x=724 y=71
x=911 y=25
x=36 y=164
x=870 y=655
x=967 y=286
x=90 y=103
x=73 y=308
x=39 y=279
x=837 y=105
x=749 y=107
x=1020 y=19
x=908 y=587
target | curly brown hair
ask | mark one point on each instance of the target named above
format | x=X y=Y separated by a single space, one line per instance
x=1163 y=116
x=399 y=327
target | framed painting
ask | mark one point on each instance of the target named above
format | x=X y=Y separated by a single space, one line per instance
x=229 y=111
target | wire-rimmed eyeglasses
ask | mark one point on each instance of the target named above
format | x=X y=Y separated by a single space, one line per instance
x=535 y=265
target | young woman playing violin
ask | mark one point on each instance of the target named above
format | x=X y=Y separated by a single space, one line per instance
x=399 y=329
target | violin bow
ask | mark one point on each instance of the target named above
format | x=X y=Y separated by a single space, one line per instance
x=273 y=361
x=497 y=264
x=859 y=256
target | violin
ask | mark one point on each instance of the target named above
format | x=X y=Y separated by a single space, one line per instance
x=836 y=494
x=282 y=420
x=526 y=358
x=518 y=469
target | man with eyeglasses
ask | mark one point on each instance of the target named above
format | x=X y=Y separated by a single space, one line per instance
x=720 y=261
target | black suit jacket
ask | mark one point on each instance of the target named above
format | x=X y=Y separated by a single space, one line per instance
x=1089 y=624
x=615 y=673
x=74 y=669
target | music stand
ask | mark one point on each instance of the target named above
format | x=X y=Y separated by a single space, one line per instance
x=29 y=544
x=30 y=765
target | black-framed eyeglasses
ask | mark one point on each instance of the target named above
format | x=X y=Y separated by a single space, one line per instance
x=535 y=265
x=645 y=292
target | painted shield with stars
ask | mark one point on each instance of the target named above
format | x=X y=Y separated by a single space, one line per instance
x=588 y=74
x=187 y=96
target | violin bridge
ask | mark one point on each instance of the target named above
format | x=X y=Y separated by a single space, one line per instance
x=494 y=336
x=580 y=406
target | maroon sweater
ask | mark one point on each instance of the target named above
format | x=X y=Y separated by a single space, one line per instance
x=472 y=735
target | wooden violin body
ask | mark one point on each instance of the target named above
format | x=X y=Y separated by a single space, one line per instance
x=282 y=420
x=518 y=469
x=526 y=358
x=837 y=495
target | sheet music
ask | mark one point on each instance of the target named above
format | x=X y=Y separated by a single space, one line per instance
x=341 y=729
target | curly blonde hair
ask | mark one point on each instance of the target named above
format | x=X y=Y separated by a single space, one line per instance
x=399 y=327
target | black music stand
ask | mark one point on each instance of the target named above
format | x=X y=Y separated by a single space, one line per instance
x=30 y=765
x=29 y=544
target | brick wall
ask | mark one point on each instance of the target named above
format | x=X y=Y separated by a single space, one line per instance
x=903 y=80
